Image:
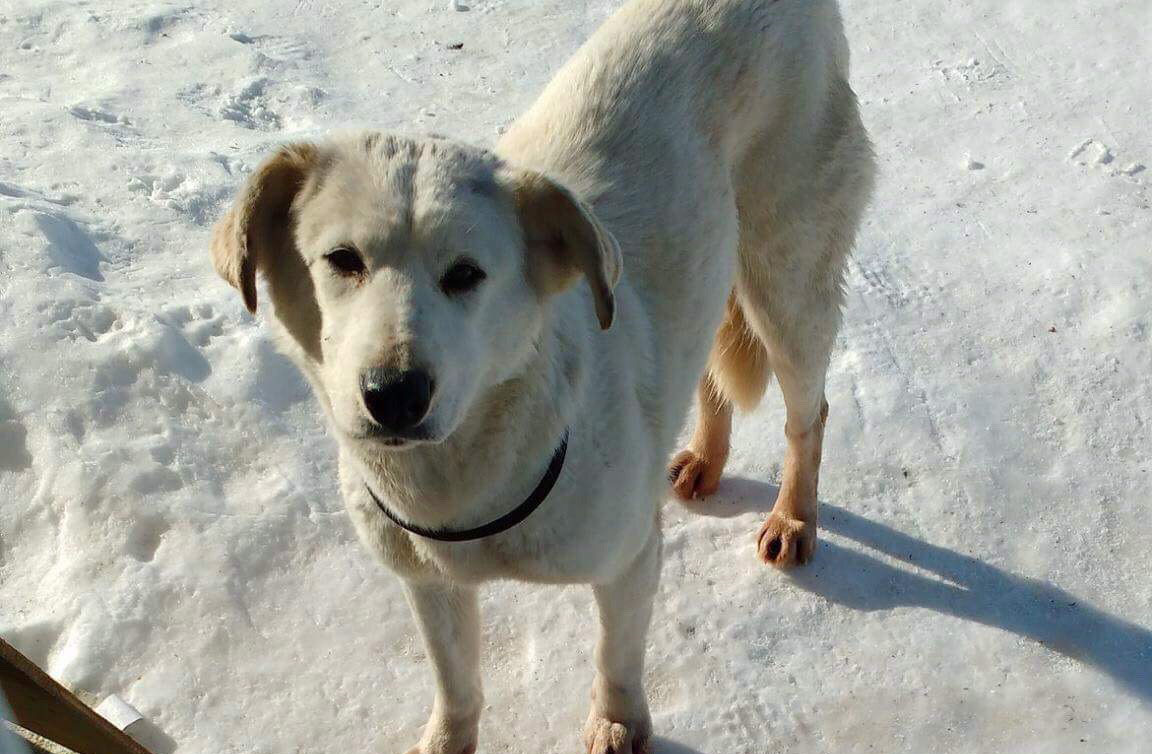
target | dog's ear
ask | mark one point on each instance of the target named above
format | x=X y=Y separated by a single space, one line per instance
x=565 y=239
x=257 y=228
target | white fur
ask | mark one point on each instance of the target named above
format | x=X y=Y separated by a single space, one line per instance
x=712 y=144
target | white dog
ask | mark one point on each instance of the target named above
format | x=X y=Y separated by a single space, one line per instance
x=451 y=307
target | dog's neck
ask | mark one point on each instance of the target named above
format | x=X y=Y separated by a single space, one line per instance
x=496 y=456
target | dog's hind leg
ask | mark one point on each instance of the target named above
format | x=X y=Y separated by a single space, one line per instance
x=794 y=249
x=790 y=287
x=799 y=353
x=619 y=722
x=449 y=620
x=695 y=471
x=737 y=373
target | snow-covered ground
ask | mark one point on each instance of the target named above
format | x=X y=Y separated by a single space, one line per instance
x=169 y=525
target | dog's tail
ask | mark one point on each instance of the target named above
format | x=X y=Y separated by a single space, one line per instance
x=738 y=366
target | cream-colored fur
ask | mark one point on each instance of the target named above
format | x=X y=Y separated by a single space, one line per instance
x=692 y=151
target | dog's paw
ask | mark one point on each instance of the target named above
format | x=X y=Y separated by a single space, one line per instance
x=442 y=736
x=694 y=476
x=468 y=749
x=603 y=736
x=785 y=541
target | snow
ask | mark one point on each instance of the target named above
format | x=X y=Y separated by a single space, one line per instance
x=170 y=530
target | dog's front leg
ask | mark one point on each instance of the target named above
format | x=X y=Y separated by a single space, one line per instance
x=449 y=619
x=619 y=722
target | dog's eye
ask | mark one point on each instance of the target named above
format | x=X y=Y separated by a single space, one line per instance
x=345 y=261
x=461 y=277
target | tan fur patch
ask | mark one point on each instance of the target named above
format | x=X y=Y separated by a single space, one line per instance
x=738 y=363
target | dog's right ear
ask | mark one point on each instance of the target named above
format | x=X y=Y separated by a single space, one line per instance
x=257 y=228
x=565 y=239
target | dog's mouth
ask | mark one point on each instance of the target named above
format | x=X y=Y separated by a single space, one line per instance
x=384 y=439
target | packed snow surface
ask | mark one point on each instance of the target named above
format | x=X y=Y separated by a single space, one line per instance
x=170 y=529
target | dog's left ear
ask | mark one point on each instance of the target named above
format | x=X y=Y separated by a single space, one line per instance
x=565 y=239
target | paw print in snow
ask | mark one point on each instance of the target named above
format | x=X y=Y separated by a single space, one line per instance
x=1097 y=154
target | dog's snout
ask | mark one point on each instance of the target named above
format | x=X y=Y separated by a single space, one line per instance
x=397 y=400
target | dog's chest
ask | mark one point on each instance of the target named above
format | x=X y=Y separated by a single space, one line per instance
x=577 y=535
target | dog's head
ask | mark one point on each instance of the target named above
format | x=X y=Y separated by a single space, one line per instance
x=413 y=274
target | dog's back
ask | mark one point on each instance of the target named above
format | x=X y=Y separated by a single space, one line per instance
x=668 y=82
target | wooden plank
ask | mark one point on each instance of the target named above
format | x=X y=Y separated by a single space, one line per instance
x=32 y=741
x=46 y=708
x=34 y=747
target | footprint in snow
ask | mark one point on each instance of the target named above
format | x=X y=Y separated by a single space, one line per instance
x=146 y=533
x=14 y=455
x=1091 y=152
x=249 y=108
x=283 y=49
x=79 y=319
x=181 y=193
x=199 y=323
x=97 y=115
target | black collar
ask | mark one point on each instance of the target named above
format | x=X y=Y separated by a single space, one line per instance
x=502 y=524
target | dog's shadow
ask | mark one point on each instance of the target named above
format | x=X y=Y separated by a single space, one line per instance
x=967 y=588
x=661 y=745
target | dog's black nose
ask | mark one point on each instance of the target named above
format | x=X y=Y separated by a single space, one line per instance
x=397 y=400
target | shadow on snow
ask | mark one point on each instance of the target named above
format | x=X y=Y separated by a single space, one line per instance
x=967 y=588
